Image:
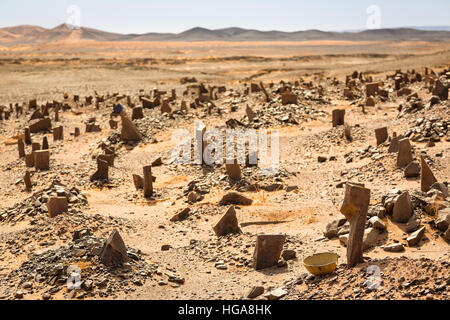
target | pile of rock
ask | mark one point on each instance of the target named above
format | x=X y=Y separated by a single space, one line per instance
x=36 y=205
x=106 y=266
x=432 y=128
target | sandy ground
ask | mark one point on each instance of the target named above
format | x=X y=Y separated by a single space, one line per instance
x=301 y=214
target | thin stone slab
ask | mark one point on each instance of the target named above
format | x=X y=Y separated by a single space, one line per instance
x=56 y=206
x=267 y=250
x=404 y=155
x=427 y=178
x=338 y=117
x=381 y=135
x=227 y=224
x=354 y=208
x=102 y=171
x=41 y=159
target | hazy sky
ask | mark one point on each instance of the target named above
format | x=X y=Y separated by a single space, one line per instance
x=140 y=16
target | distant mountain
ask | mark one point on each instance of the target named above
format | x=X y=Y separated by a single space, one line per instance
x=67 y=33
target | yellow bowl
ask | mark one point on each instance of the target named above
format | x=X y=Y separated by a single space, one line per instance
x=321 y=263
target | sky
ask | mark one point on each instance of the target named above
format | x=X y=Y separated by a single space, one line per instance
x=140 y=16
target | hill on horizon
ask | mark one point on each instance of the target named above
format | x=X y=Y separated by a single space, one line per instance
x=26 y=34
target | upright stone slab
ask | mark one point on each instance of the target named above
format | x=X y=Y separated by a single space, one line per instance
x=233 y=170
x=114 y=252
x=228 y=223
x=29 y=160
x=56 y=206
x=58 y=133
x=267 y=250
x=35 y=146
x=138 y=182
x=137 y=113
x=41 y=160
x=404 y=155
x=427 y=178
x=21 y=148
x=44 y=143
x=371 y=89
x=403 y=210
x=76 y=133
x=39 y=125
x=148 y=182
x=250 y=114
x=354 y=208
x=382 y=135
x=393 y=147
x=27 y=136
x=338 y=117
x=108 y=158
x=165 y=108
x=27 y=181
x=102 y=171
x=129 y=130
x=288 y=98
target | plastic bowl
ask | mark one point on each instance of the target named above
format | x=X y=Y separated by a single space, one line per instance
x=321 y=263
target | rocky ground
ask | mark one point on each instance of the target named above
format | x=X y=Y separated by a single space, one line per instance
x=128 y=246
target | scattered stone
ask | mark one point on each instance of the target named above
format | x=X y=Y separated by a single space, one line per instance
x=415 y=237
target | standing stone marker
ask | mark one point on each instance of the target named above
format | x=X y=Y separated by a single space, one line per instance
x=404 y=155
x=393 y=147
x=114 y=252
x=21 y=147
x=58 y=133
x=102 y=171
x=403 y=210
x=56 y=206
x=338 y=117
x=27 y=136
x=44 y=143
x=228 y=223
x=427 y=178
x=354 y=208
x=233 y=170
x=382 y=135
x=27 y=181
x=41 y=159
x=267 y=250
x=148 y=181
x=250 y=114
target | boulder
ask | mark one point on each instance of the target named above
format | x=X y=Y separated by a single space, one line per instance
x=182 y=215
x=412 y=170
x=443 y=219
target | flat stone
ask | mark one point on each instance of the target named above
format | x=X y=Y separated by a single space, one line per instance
x=255 y=292
x=395 y=247
x=415 y=237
